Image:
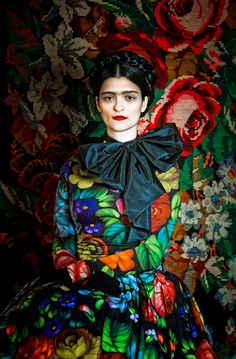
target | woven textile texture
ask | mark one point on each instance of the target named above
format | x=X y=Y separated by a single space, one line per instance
x=48 y=51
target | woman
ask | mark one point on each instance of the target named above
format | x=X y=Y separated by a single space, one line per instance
x=116 y=206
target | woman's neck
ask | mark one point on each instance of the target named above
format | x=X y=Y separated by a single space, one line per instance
x=123 y=136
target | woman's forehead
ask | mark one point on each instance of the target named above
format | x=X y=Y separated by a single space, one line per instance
x=119 y=85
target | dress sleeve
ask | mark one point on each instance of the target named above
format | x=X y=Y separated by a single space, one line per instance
x=147 y=255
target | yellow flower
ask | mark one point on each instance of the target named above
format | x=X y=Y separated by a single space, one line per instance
x=81 y=178
x=76 y=343
x=169 y=179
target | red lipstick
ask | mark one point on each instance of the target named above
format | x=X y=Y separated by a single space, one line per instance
x=119 y=118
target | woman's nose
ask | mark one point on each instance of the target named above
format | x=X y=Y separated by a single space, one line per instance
x=118 y=105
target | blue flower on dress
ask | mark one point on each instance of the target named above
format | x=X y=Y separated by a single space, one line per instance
x=130 y=280
x=86 y=206
x=90 y=226
x=121 y=302
x=68 y=300
x=53 y=327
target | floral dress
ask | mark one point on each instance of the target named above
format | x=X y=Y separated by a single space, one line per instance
x=117 y=300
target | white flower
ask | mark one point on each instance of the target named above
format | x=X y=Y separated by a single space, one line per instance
x=194 y=248
x=65 y=52
x=215 y=197
x=227 y=172
x=227 y=297
x=213 y=266
x=190 y=214
x=76 y=119
x=231 y=263
x=45 y=95
x=216 y=226
x=77 y=7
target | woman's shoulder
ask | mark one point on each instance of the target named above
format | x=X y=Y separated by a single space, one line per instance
x=70 y=163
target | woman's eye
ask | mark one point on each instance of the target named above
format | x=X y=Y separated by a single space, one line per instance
x=107 y=98
x=130 y=98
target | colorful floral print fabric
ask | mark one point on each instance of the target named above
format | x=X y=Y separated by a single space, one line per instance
x=133 y=309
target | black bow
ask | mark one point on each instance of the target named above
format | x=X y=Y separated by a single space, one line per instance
x=130 y=167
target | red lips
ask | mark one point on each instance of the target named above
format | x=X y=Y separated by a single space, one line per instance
x=119 y=118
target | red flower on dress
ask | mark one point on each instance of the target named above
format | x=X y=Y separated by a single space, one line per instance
x=191 y=105
x=150 y=314
x=160 y=212
x=188 y=24
x=35 y=347
x=164 y=296
x=63 y=258
x=205 y=351
x=78 y=271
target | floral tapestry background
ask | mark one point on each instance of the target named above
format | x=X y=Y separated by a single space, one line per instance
x=48 y=50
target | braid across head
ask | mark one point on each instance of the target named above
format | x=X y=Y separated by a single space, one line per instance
x=128 y=64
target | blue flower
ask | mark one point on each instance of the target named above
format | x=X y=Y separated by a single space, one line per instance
x=53 y=327
x=90 y=226
x=121 y=302
x=131 y=281
x=86 y=206
x=68 y=300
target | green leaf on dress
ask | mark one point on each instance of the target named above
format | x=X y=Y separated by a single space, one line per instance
x=149 y=253
x=107 y=212
x=97 y=193
x=116 y=233
x=175 y=205
x=116 y=336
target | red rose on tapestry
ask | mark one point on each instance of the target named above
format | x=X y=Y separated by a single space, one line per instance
x=191 y=105
x=44 y=209
x=45 y=204
x=140 y=43
x=193 y=24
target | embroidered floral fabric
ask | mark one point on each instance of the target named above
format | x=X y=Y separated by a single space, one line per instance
x=149 y=314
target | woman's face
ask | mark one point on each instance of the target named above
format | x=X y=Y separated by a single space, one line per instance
x=120 y=104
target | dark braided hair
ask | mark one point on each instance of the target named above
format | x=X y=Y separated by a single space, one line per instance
x=128 y=64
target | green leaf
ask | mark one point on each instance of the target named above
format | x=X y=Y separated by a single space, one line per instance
x=108 y=212
x=116 y=335
x=99 y=304
x=161 y=322
x=141 y=16
x=186 y=180
x=104 y=204
x=75 y=194
x=175 y=206
x=39 y=323
x=149 y=253
x=97 y=193
x=108 y=271
x=110 y=220
x=116 y=233
x=225 y=248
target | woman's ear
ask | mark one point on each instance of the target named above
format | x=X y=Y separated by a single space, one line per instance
x=144 y=104
x=97 y=103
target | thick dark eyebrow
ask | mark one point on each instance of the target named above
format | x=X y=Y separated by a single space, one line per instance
x=119 y=93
